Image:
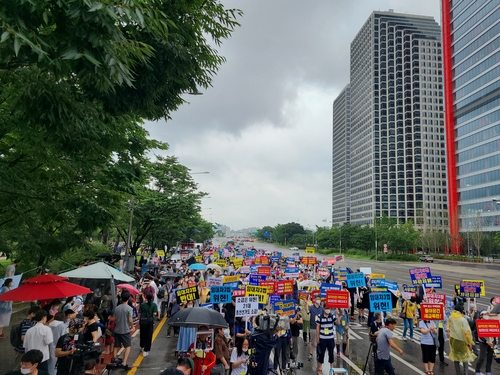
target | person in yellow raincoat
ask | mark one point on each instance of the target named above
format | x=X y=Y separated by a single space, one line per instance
x=460 y=336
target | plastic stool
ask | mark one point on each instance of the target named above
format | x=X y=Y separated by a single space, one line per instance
x=338 y=370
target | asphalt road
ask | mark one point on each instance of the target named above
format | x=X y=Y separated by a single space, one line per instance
x=410 y=362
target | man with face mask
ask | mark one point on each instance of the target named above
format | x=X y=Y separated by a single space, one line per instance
x=314 y=311
x=30 y=361
x=325 y=337
x=67 y=364
x=39 y=337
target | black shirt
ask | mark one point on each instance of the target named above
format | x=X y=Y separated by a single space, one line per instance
x=70 y=362
x=87 y=333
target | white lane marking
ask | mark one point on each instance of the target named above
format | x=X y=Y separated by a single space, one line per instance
x=351 y=333
x=350 y=363
x=417 y=371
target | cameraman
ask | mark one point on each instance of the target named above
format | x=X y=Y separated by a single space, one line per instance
x=68 y=363
x=384 y=344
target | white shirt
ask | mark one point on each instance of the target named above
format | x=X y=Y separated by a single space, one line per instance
x=39 y=337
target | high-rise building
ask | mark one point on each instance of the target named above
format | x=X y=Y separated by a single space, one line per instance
x=471 y=57
x=397 y=145
x=341 y=158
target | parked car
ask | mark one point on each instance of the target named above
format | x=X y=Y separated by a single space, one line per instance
x=427 y=259
x=294 y=248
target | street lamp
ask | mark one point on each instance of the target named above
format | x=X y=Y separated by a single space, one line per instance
x=199 y=173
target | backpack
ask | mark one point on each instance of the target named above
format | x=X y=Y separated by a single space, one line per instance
x=161 y=293
x=15 y=336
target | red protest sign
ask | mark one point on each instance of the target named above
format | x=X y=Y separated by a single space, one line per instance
x=284 y=287
x=432 y=311
x=337 y=299
x=303 y=295
x=264 y=270
x=488 y=328
x=496 y=300
x=314 y=294
x=309 y=260
x=435 y=298
x=239 y=292
x=269 y=284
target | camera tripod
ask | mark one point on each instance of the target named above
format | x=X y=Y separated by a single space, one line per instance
x=371 y=349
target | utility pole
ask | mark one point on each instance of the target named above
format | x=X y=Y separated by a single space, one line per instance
x=128 y=251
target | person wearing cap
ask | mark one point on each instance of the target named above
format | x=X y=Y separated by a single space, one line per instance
x=486 y=345
x=66 y=347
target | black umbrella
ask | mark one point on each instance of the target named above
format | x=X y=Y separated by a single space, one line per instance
x=495 y=310
x=197 y=317
x=169 y=275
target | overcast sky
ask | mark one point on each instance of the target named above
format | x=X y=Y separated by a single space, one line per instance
x=264 y=130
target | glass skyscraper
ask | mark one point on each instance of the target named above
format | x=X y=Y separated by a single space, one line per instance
x=471 y=57
x=397 y=146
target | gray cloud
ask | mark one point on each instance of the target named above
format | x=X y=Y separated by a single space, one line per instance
x=264 y=129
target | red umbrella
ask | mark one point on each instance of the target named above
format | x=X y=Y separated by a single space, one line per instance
x=133 y=291
x=44 y=291
x=48 y=278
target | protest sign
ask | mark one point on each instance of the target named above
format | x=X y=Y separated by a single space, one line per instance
x=256 y=279
x=496 y=300
x=380 y=302
x=470 y=289
x=324 y=271
x=366 y=270
x=285 y=308
x=436 y=298
x=377 y=276
x=257 y=291
x=198 y=258
x=250 y=253
x=292 y=272
x=273 y=298
x=355 y=280
x=436 y=282
x=221 y=263
x=483 y=289
x=230 y=279
x=388 y=284
x=303 y=295
x=339 y=258
x=269 y=284
x=309 y=260
x=187 y=294
x=208 y=305
x=337 y=299
x=340 y=275
x=410 y=289
x=420 y=276
x=324 y=287
x=376 y=282
x=378 y=289
x=264 y=270
x=239 y=292
x=220 y=294
x=284 y=287
x=310 y=250
x=487 y=328
x=432 y=311
x=247 y=306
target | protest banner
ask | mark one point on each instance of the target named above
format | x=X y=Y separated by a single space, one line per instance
x=284 y=287
x=250 y=253
x=314 y=294
x=160 y=253
x=324 y=271
x=230 y=279
x=337 y=299
x=238 y=263
x=247 y=306
x=420 y=276
x=198 y=258
x=366 y=270
x=310 y=250
x=221 y=263
x=264 y=270
x=269 y=284
x=432 y=311
x=216 y=255
x=339 y=258
x=324 y=287
x=258 y=291
x=239 y=292
x=376 y=282
x=220 y=294
x=378 y=289
x=255 y=279
x=436 y=283
x=355 y=280
x=483 y=289
x=470 y=289
x=377 y=276
x=436 y=298
x=292 y=272
x=190 y=284
x=187 y=294
x=340 y=275
x=285 y=308
x=303 y=295
x=410 y=289
x=309 y=260
x=380 y=302
x=487 y=328
x=273 y=298
x=388 y=284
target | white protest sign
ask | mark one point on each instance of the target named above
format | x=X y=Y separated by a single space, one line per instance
x=247 y=306
x=214 y=281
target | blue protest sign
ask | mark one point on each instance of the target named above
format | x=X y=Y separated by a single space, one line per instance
x=340 y=275
x=470 y=289
x=376 y=282
x=254 y=268
x=420 y=276
x=290 y=260
x=285 y=308
x=208 y=305
x=380 y=302
x=273 y=298
x=436 y=282
x=388 y=284
x=250 y=253
x=275 y=258
x=324 y=287
x=221 y=294
x=355 y=280
x=292 y=272
x=234 y=285
x=256 y=279
x=449 y=303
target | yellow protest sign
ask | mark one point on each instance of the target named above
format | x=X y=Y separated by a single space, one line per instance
x=310 y=250
x=221 y=263
x=160 y=253
x=238 y=263
x=258 y=291
x=216 y=255
x=230 y=279
x=198 y=258
x=483 y=288
x=377 y=276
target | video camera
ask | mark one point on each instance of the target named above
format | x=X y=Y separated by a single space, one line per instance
x=115 y=365
x=271 y=323
x=86 y=351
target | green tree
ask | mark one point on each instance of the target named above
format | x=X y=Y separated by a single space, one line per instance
x=282 y=232
x=261 y=232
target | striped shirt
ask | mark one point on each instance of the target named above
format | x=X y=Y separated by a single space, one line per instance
x=326 y=326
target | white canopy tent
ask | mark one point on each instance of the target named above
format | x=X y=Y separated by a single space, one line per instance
x=99 y=270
